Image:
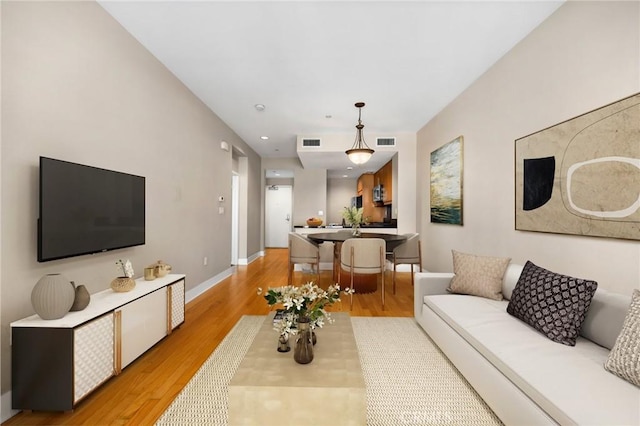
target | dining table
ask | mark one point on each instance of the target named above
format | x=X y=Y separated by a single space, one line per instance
x=362 y=283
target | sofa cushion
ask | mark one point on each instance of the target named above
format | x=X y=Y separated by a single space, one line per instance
x=624 y=359
x=510 y=279
x=561 y=379
x=478 y=275
x=552 y=303
x=605 y=317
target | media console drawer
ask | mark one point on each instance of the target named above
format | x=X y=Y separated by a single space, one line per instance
x=56 y=363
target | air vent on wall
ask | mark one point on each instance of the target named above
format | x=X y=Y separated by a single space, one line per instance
x=311 y=143
x=385 y=141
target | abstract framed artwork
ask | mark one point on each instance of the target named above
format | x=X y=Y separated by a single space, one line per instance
x=582 y=176
x=445 y=189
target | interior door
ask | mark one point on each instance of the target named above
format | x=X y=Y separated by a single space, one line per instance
x=278 y=206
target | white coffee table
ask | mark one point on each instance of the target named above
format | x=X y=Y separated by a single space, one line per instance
x=270 y=388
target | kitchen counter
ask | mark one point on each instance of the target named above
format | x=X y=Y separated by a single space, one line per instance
x=370 y=225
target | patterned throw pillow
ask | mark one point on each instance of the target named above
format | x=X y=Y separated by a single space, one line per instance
x=553 y=304
x=478 y=275
x=624 y=358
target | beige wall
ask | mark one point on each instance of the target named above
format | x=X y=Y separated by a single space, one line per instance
x=76 y=86
x=583 y=57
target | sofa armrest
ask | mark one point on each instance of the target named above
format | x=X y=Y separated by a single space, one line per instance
x=428 y=283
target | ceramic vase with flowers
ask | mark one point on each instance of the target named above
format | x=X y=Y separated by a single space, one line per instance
x=125 y=281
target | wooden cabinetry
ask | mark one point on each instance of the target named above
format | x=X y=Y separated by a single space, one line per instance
x=56 y=363
x=384 y=177
x=369 y=209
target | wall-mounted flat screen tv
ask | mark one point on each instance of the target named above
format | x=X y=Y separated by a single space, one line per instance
x=85 y=210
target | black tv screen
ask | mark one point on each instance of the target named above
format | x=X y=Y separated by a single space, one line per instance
x=86 y=210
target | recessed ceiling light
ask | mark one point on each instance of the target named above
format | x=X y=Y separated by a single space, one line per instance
x=264 y=138
x=259 y=107
x=349 y=168
x=345 y=176
x=277 y=174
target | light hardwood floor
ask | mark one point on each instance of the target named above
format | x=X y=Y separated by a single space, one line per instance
x=143 y=391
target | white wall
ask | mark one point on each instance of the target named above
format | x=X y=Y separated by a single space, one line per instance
x=309 y=188
x=339 y=194
x=583 y=57
x=76 y=86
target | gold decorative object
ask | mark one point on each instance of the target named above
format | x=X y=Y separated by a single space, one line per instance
x=123 y=284
x=149 y=273
x=160 y=269
x=314 y=221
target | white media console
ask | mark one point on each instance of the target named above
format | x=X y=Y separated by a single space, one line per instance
x=56 y=363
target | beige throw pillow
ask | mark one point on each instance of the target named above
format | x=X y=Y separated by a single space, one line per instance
x=478 y=275
x=624 y=358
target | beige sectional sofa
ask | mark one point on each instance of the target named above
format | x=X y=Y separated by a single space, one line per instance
x=523 y=376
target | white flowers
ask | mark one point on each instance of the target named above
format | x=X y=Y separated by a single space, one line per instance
x=308 y=300
x=125 y=268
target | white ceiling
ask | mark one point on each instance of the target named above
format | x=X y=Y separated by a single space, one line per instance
x=307 y=60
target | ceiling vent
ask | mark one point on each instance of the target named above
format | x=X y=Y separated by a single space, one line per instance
x=385 y=141
x=311 y=143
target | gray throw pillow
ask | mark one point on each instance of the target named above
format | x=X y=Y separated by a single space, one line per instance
x=624 y=358
x=552 y=303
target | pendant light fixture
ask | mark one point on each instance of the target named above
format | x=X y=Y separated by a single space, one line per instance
x=359 y=153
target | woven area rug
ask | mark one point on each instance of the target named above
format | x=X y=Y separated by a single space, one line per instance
x=409 y=381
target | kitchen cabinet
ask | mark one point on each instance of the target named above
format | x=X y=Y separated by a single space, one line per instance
x=370 y=211
x=384 y=177
x=57 y=363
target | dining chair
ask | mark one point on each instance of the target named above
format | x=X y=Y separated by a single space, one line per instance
x=407 y=253
x=363 y=256
x=302 y=250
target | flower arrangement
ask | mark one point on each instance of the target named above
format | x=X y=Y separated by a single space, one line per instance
x=308 y=300
x=353 y=216
x=125 y=268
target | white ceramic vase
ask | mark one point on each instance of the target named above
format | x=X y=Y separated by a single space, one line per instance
x=52 y=296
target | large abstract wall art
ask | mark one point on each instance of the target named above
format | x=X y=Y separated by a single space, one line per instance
x=582 y=176
x=446 y=183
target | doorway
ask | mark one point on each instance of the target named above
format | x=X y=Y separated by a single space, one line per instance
x=278 y=207
x=235 y=217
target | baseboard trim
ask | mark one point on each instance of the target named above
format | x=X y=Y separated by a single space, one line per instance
x=6 y=412
x=193 y=293
x=251 y=258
